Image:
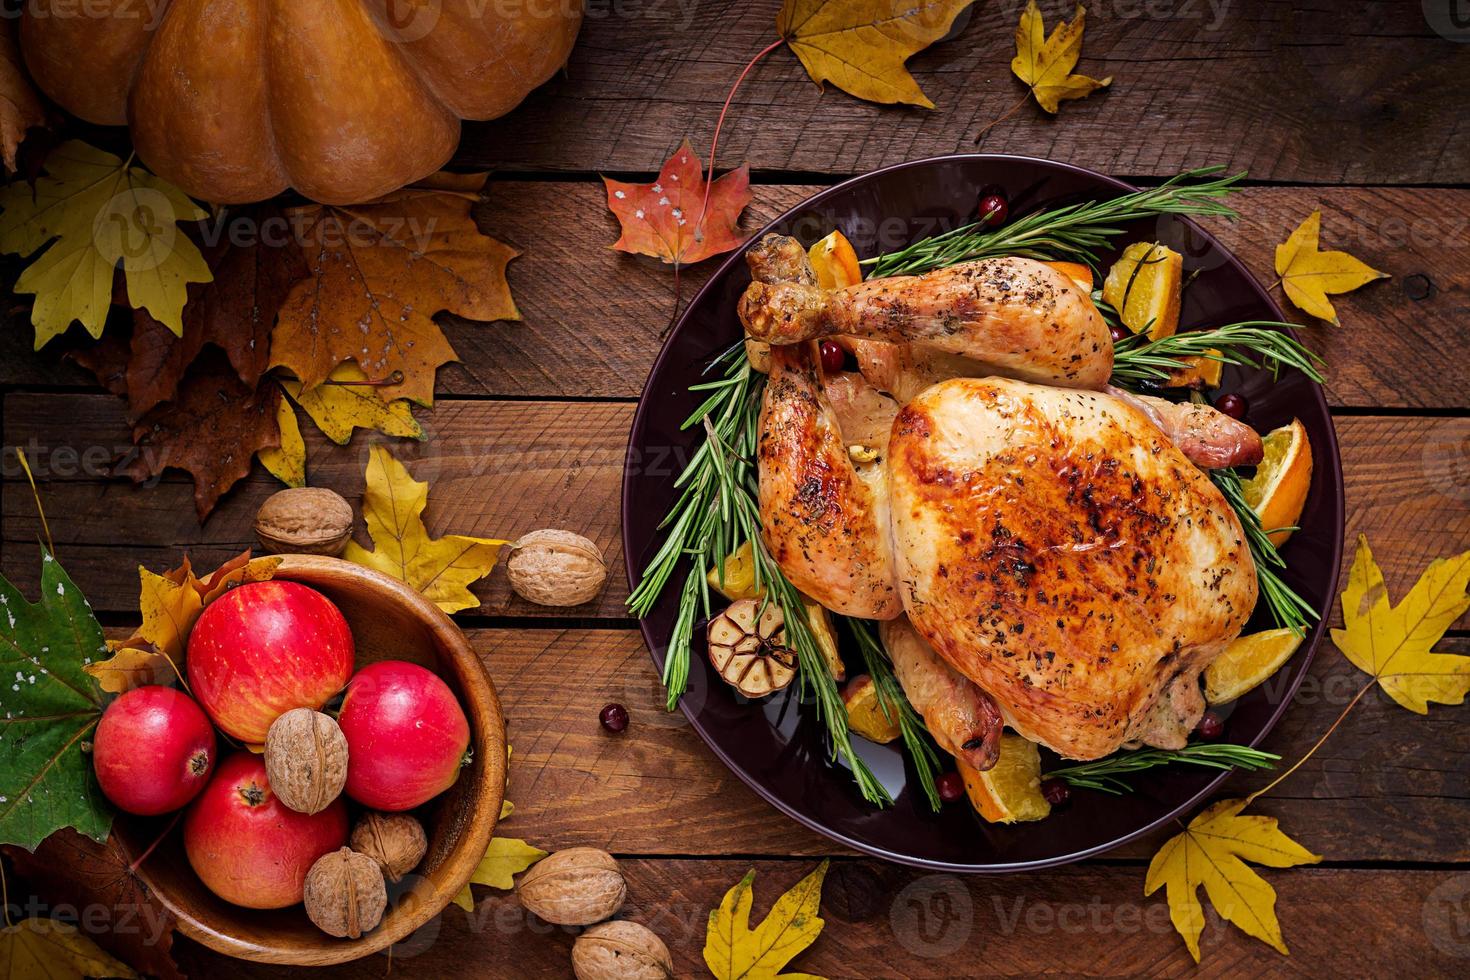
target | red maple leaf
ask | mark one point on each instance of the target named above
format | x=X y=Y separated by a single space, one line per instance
x=677 y=218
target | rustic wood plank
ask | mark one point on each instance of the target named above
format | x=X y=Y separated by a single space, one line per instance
x=593 y=317
x=504 y=468
x=885 y=921
x=1357 y=92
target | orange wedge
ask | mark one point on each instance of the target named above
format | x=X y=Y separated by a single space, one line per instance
x=1010 y=792
x=835 y=262
x=1248 y=661
x=1075 y=271
x=1196 y=372
x=865 y=713
x=1144 y=286
x=1278 y=491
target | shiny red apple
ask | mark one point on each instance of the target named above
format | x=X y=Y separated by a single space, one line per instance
x=247 y=846
x=153 y=750
x=406 y=735
x=264 y=648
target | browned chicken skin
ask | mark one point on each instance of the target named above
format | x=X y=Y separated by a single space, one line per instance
x=963 y=719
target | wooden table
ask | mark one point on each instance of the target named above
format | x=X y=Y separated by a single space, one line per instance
x=1355 y=108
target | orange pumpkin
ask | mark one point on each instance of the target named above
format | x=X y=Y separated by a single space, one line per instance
x=344 y=100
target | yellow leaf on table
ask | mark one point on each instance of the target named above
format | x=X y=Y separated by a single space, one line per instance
x=440 y=568
x=96 y=211
x=131 y=667
x=734 y=951
x=337 y=407
x=286 y=462
x=1045 y=63
x=1395 y=644
x=1212 y=851
x=1308 y=274
x=504 y=858
x=47 y=948
x=860 y=45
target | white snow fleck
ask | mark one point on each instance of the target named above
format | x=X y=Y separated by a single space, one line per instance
x=619 y=195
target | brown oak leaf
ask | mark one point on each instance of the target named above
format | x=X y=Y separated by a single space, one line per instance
x=379 y=273
x=212 y=429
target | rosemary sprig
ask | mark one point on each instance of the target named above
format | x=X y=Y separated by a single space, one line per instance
x=1077 y=232
x=1105 y=774
x=1138 y=360
x=1287 y=608
x=894 y=702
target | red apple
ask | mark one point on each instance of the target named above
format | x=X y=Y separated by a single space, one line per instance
x=153 y=751
x=264 y=648
x=406 y=735
x=248 y=847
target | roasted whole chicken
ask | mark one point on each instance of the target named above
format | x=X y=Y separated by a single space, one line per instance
x=1044 y=551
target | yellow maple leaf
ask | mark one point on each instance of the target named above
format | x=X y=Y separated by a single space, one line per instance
x=286 y=462
x=1212 y=851
x=39 y=947
x=96 y=212
x=733 y=950
x=861 y=45
x=504 y=858
x=338 y=408
x=1308 y=275
x=441 y=568
x=1045 y=63
x=1395 y=644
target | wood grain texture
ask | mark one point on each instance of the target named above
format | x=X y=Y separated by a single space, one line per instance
x=885 y=921
x=1315 y=93
x=593 y=318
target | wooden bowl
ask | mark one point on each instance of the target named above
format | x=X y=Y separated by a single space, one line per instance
x=390 y=621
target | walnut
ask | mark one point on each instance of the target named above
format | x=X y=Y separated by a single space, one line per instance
x=304 y=521
x=395 y=840
x=575 y=887
x=621 y=951
x=305 y=759
x=344 y=894
x=556 y=568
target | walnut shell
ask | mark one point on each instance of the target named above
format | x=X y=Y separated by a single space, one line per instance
x=344 y=894
x=575 y=887
x=395 y=840
x=305 y=759
x=556 y=568
x=304 y=521
x=621 y=951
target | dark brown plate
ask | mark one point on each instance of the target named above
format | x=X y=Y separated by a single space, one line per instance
x=777 y=746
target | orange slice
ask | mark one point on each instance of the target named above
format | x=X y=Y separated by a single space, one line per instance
x=1278 y=491
x=865 y=712
x=1144 y=287
x=1248 y=661
x=1010 y=792
x=1196 y=372
x=835 y=262
x=1075 y=271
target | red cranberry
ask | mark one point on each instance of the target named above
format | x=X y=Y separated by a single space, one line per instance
x=993 y=210
x=832 y=357
x=951 y=787
x=1232 y=405
x=614 y=718
x=1211 y=726
x=1119 y=333
x=1056 y=791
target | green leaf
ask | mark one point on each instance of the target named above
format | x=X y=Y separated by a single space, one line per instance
x=49 y=707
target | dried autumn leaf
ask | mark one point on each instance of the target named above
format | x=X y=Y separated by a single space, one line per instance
x=1045 y=63
x=19 y=107
x=1308 y=275
x=343 y=403
x=379 y=273
x=663 y=219
x=286 y=462
x=440 y=568
x=861 y=45
x=734 y=951
x=1212 y=851
x=95 y=212
x=505 y=857
x=42 y=947
x=1395 y=644
x=234 y=311
x=212 y=429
